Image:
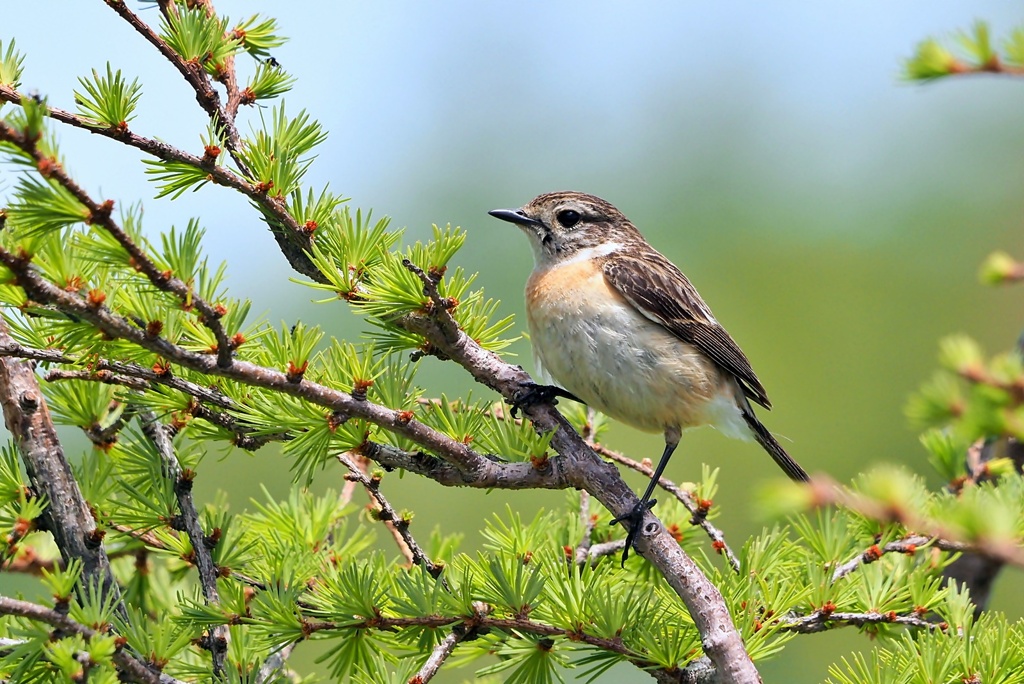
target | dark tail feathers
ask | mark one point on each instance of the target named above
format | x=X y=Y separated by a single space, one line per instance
x=774 y=449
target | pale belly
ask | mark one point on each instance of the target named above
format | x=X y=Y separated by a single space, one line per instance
x=592 y=342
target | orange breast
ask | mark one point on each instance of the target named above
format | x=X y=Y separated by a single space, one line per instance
x=576 y=285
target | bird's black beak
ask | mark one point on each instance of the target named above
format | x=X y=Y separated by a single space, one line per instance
x=514 y=216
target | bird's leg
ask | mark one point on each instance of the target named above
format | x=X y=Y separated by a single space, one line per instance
x=635 y=518
x=531 y=394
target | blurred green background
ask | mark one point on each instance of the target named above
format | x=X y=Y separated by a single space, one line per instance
x=833 y=216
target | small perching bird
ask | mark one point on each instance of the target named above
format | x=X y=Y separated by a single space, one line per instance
x=620 y=328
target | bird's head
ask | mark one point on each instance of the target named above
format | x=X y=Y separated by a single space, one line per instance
x=562 y=225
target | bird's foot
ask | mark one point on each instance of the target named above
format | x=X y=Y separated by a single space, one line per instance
x=635 y=519
x=532 y=394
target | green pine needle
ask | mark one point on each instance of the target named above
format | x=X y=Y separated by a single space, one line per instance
x=110 y=99
x=930 y=61
x=199 y=37
x=41 y=206
x=12 y=63
x=258 y=35
x=269 y=81
x=174 y=178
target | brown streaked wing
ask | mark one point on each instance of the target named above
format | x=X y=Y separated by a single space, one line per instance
x=661 y=292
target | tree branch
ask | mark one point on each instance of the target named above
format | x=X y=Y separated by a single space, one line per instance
x=698 y=511
x=440 y=654
x=587 y=523
x=386 y=513
x=101 y=214
x=156 y=433
x=67 y=515
x=293 y=239
x=908 y=545
x=585 y=470
x=470 y=468
x=827 y=492
x=274 y=664
x=821 y=620
x=194 y=75
x=134 y=669
x=490 y=474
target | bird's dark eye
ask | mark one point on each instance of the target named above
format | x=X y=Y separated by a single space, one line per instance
x=568 y=218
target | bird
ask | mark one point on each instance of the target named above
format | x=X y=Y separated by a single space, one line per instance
x=621 y=329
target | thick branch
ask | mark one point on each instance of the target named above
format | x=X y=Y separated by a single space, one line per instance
x=67 y=514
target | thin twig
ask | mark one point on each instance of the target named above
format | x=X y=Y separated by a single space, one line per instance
x=351 y=482
x=182 y=480
x=133 y=668
x=146 y=537
x=820 y=620
x=826 y=492
x=993 y=66
x=698 y=512
x=908 y=545
x=28 y=562
x=605 y=549
x=101 y=367
x=440 y=308
x=243 y=437
x=104 y=437
x=101 y=214
x=293 y=239
x=107 y=378
x=587 y=523
x=387 y=513
x=483 y=621
x=194 y=75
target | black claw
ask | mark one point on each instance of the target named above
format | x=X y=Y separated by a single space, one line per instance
x=532 y=394
x=635 y=518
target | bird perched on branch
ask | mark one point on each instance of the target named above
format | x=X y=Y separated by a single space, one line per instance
x=620 y=328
